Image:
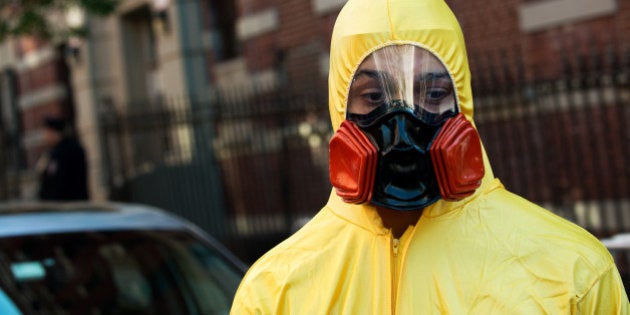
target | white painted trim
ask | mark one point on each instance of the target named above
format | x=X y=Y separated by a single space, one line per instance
x=324 y=64
x=43 y=95
x=36 y=58
x=596 y=214
x=239 y=78
x=33 y=139
x=7 y=55
x=326 y=6
x=544 y=14
x=257 y=23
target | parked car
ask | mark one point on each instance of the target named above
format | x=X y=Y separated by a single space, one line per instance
x=110 y=258
x=619 y=247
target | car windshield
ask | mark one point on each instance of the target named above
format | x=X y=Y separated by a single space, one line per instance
x=116 y=272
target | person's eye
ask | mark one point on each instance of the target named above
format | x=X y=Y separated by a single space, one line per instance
x=432 y=94
x=435 y=95
x=374 y=97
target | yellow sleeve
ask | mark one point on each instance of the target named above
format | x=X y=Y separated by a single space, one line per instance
x=243 y=302
x=257 y=295
x=606 y=296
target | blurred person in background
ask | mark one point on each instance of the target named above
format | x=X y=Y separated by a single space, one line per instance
x=417 y=223
x=63 y=168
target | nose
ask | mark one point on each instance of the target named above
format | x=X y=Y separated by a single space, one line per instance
x=399 y=134
x=402 y=138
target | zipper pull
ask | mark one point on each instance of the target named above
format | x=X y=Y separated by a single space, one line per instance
x=395 y=246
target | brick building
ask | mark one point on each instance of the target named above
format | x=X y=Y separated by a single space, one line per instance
x=35 y=83
x=149 y=52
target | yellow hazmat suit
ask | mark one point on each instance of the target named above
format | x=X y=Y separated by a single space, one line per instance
x=491 y=253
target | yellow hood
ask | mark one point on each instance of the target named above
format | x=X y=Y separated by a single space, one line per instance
x=360 y=30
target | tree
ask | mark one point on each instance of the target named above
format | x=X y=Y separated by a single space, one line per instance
x=47 y=18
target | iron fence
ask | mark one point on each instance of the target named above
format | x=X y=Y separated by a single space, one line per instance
x=250 y=165
x=562 y=143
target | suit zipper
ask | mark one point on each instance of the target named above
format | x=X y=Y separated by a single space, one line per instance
x=395 y=243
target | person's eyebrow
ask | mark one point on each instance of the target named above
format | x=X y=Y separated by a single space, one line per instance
x=432 y=76
x=373 y=74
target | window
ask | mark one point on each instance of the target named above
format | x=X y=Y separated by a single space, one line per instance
x=224 y=41
x=537 y=15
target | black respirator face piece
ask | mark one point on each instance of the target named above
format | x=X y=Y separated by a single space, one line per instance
x=403 y=145
x=404 y=178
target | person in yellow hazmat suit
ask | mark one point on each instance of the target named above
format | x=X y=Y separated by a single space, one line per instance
x=416 y=222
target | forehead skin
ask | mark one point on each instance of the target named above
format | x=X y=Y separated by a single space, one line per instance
x=390 y=59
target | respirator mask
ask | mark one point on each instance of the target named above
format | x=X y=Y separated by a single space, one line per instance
x=404 y=144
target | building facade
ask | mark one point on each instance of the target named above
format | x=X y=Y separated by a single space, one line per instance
x=173 y=54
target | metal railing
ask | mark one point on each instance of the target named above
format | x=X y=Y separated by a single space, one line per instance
x=240 y=167
x=562 y=143
x=250 y=165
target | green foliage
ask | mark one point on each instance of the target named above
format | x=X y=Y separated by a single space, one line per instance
x=46 y=18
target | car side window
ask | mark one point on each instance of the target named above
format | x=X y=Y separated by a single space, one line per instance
x=114 y=272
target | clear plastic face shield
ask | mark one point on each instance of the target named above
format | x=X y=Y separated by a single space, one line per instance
x=401 y=77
